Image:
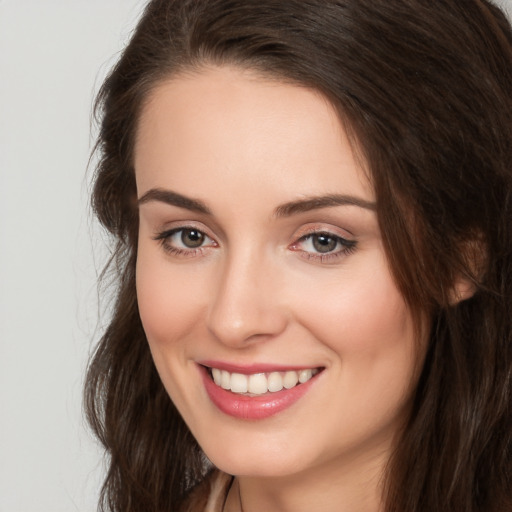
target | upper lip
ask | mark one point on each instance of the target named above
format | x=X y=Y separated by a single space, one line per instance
x=248 y=369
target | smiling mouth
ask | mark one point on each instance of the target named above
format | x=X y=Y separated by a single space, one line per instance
x=260 y=383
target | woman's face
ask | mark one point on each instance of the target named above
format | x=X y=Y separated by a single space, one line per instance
x=261 y=265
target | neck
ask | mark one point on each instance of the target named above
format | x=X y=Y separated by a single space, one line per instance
x=351 y=487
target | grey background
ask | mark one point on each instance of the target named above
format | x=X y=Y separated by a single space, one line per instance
x=53 y=56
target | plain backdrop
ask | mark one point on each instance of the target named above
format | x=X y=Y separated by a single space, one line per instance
x=53 y=56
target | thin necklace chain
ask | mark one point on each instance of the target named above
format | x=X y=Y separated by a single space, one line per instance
x=234 y=482
x=240 y=498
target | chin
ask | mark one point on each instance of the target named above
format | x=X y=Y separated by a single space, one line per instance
x=257 y=468
x=258 y=458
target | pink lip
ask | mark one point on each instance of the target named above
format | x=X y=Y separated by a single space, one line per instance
x=252 y=407
x=250 y=369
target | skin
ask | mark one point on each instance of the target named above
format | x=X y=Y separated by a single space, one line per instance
x=258 y=290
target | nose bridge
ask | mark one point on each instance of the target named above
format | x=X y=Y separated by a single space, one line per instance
x=245 y=304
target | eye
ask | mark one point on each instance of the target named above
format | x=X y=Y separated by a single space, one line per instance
x=324 y=246
x=323 y=242
x=184 y=241
x=190 y=238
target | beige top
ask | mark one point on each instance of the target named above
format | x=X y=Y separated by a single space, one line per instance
x=210 y=495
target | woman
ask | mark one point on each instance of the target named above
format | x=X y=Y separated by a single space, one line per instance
x=311 y=204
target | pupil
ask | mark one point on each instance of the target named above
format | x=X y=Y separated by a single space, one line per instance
x=324 y=243
x=192 y=238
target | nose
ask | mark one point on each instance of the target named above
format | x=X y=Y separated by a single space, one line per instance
x=246 y=306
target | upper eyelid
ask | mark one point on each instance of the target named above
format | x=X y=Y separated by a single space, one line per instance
x=304 y=231
x=344 y=234
x=163 y=239
x=163 y=235
x=169 y=228
x=347 y=242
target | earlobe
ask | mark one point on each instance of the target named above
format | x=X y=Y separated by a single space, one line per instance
x=466 y=282
x=463 y=289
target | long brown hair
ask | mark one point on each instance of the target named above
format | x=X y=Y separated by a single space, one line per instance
x=424 y=89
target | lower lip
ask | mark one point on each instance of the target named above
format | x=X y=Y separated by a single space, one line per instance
x=252 y=407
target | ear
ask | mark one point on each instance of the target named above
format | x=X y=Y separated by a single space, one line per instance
x=463 y=288
x=474 y=261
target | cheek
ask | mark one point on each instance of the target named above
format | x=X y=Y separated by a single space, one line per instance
x=374 y=354
x=359 y=312
x=365 y=323
x=169 y=299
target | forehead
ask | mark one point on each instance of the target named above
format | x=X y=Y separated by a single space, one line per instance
x=231 y=127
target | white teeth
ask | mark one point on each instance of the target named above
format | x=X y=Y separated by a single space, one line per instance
x=275 y=382
x=225 y=380
x=257 y=384
x=238 y=383
x=217 y=376
x=260 y=383
x=305 y=375
x=290 y=380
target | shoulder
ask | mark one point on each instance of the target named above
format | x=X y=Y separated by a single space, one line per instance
x=210 y=494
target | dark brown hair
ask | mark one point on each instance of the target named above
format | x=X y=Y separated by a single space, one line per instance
x=424 y=88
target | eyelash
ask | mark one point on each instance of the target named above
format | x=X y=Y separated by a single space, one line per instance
x=165 y=236
x=347 y=246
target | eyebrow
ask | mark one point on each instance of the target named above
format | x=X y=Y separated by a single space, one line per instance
x=315 y=203
x=284 y=210
x=174 y=199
